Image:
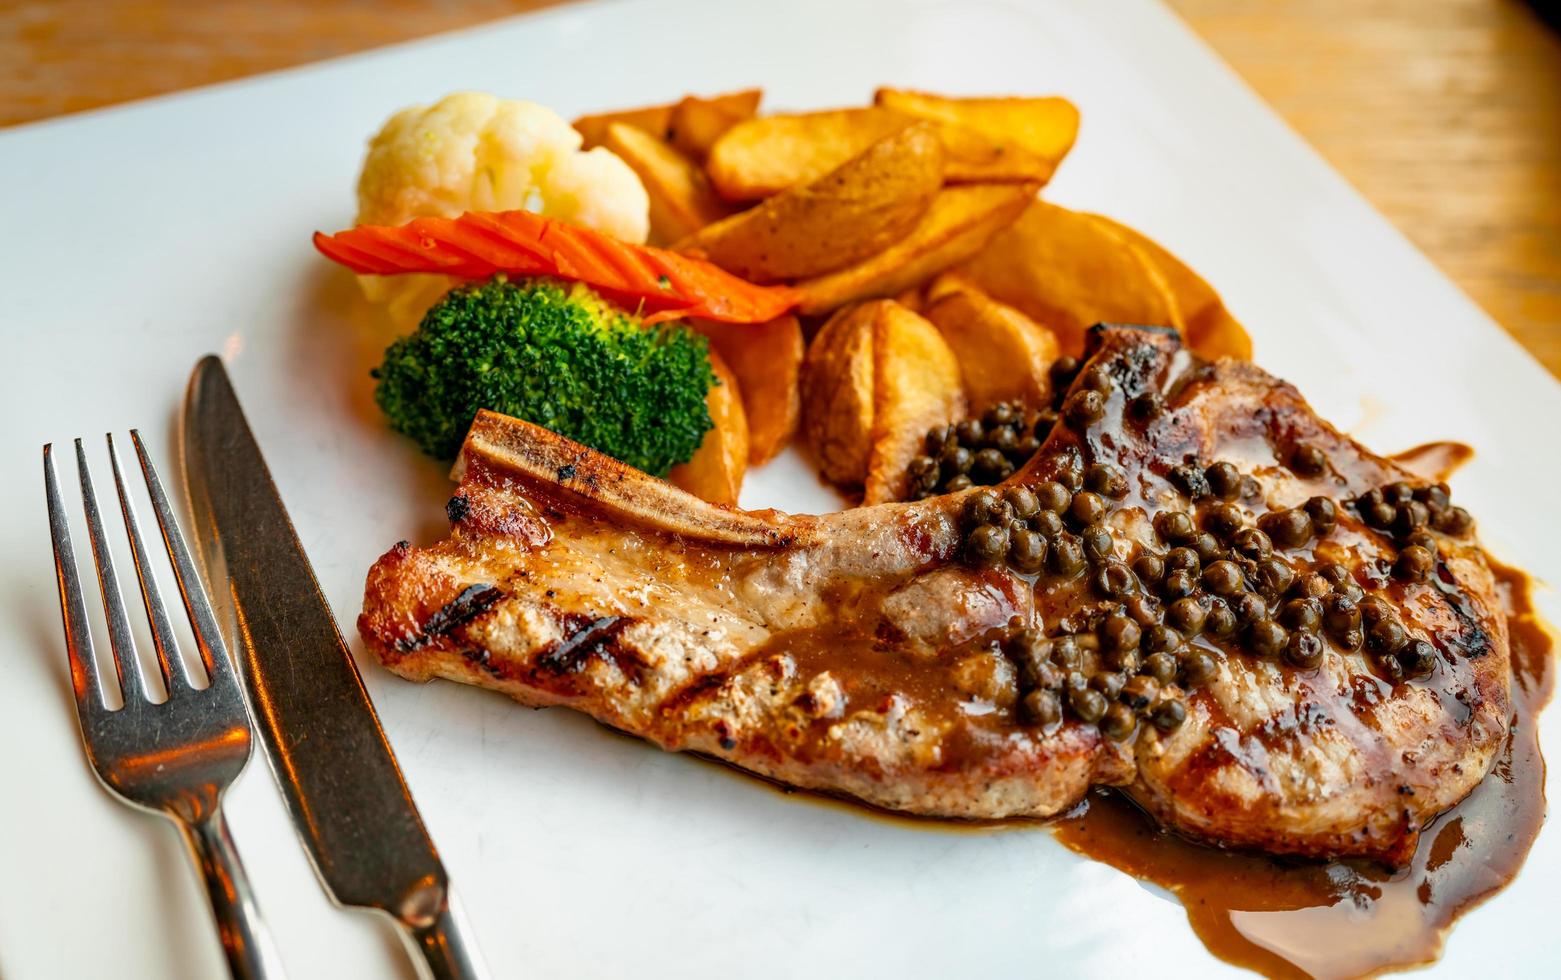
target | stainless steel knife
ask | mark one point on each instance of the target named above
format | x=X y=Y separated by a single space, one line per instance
x=324 y=742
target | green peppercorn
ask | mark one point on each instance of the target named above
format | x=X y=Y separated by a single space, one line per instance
x=1177 y=585
x=1333 y=572
x=1386 y=636
x=1147 y=406
x=1120 y=632
x=1418 y=658
x=1168 y=715
x=1301 y=614
x=1022 y=501
x=1174 y=527
x=982 y=507
x=987 y=545
x=1106 y=480
x=1224 y=578
x=1118 y=722
x=1307 y=460
x=1003 y=439
x=1053 y=496
x=1065 y=653
x=1350 y=639
x=1455 y=521
x=1224 y=520
x=1249 y=607
x=1409 y=518
x=1088 y=705
x=1189 y=479
x=1207 y=548
x=923 y=472
x=1084 y=408
x=955 y=461
x=1162 y=638
x=1161 y=666
x=1251 y=543
x=1414 y=564
x=1286 y=528
x=938 y=439
x=1140 y=692
x=1424 y=539
x=1388 y=666
x=1047 y=524
x=991 y=466
x=1187 y=615
x=1026 y=551
x=1224 y=480
x=1000 y=414
x=1115 y=580
x=1311 y=586
x=970 y=433
x=1304 y=650
x=1267 y=638
x=1220 y=620
x=1324 y=514
x=1340 y=614
x=1398 y=492
x=1098 y=543
x=1149 y=567
x=1144 y=608
x=1274 y=577
x=1042 y=707
x=1045 y=421
x=1198 y=668
x=1374 y=609
x=1088 y=508
x=958 y=483
x=1062 y=371
x=1067 y=556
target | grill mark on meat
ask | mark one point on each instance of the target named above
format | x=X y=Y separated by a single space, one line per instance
x=471 y=602
x=1472 y=640
x=586 y=639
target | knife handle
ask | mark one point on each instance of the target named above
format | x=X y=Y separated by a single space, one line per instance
x=441 y=945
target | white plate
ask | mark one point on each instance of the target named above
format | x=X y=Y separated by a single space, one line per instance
x=138 y=238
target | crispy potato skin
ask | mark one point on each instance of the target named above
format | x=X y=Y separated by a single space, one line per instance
x=876 y=378
x=766 y=359
x=960 y=221
x=1002 y=138
x=681 y=201
x=769 y=154
x=652 y=119
x=1003 y=354
x=854 y=211
x=697 y=122
x=716 y=470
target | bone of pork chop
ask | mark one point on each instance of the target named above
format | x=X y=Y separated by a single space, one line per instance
x=856 y=654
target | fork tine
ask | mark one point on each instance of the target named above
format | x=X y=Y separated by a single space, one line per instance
x=120 y=640
x=73 y=608
x=196 y=603
x=156 y=612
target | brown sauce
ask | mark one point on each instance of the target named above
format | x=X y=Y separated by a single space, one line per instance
x=1299 y=919
x=1434 y=461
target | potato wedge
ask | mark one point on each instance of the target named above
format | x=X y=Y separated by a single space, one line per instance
x=681 y=201
x=959 y=222
x=1067 y=272
x=716 y=470
x=1042 y=130
x=916 y=386
x=697 y=121
x=876 y=378
x=766 y=155
x=1003 y=354
x=1207 y=326
x=858 y=209
x=837 y=396
x=653 y=119
x=766 y=359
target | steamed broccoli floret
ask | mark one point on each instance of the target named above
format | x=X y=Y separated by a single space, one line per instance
x=554 y=354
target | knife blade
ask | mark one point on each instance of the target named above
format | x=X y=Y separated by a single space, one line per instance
x=330 y=757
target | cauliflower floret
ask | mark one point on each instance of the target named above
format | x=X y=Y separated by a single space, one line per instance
x=477 y=152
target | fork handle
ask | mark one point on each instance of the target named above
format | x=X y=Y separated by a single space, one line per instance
x=245 y=942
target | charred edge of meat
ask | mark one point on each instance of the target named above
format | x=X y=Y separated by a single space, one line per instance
x=472 y=602
x=457 y=507
x=1472 y=637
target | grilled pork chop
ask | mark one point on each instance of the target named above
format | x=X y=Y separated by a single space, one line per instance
x=1282 y=641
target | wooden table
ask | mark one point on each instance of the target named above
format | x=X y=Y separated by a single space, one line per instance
x=1446 y=114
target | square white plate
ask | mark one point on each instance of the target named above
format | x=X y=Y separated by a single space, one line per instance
x=136 y=239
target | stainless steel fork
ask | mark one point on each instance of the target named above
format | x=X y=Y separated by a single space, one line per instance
x=175 y=758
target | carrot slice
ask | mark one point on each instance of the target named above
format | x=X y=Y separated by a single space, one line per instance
x=663 y=284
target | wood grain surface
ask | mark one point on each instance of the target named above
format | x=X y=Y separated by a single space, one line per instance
x=1446 y=114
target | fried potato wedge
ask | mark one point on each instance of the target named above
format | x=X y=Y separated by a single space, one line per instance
x=766 y=360
x=681 y=201
x=1003 y=355
x=769 y=154
x=653 y=119
x=916 y=386
x=1207 y=326
x=958 y=223
x=1067 y=272
x=716 y=470
x=1009 y=138
x=698 y=121
x=856 y=210
x=837 y=396
x=875 y=379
